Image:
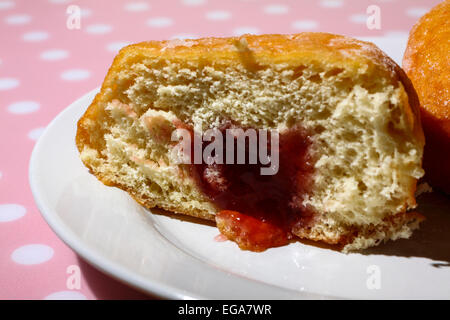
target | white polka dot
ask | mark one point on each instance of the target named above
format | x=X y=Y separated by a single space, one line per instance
x=137 y=6
x=98 y=28
x=18 y=19
x=116 y=46
x=183 y=36
x=85 y=12
x=66 y=295
x=6 y=5
x=8 y=83
x=193 y=2
x=304 y=24
x=243 y=30
x=23 y=107
x=276 y=9
x=60 y=1
x=11 y=211
x=417 y=12
x=331 y=3
x=32 y=254
x=159 y=22
x=358 y=18
x=218 y=15
x=35 y=133
x=75 y=74
x=35 y=36
x=54 y=54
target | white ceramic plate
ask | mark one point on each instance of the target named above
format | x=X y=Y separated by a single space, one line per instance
x=177 y=258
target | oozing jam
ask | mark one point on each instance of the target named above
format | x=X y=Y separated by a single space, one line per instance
x=258 y=211
x=249 y=232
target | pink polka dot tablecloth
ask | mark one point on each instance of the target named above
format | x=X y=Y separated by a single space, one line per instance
x=54 y=51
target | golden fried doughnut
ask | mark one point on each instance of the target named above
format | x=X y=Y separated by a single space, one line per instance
x=427 y=63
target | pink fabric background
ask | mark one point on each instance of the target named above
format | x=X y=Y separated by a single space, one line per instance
x=44 y=66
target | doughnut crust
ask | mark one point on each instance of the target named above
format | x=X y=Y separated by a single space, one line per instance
x=427 y=63
x=359 y=107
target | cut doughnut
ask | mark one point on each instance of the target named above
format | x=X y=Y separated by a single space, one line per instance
x=350 y=139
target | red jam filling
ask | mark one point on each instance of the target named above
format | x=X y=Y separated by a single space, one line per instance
x=259 y=211
x=250 y=233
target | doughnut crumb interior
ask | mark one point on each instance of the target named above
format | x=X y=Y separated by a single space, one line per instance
x=350 y=137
